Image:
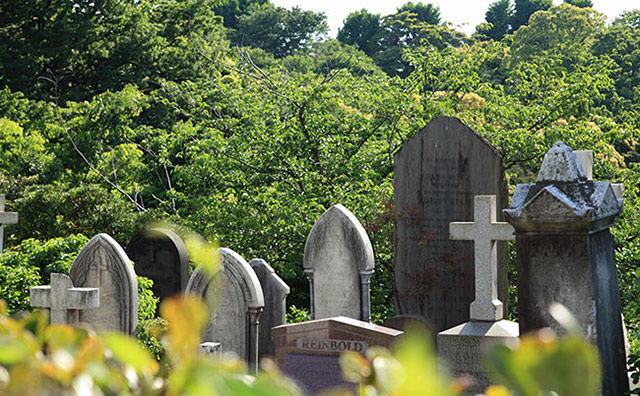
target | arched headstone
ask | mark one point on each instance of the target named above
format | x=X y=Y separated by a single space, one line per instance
x=160 y=255
x=338 y=260
x=235 y=301
x=102 y=263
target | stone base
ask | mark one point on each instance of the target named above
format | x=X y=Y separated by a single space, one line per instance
x=461 y=349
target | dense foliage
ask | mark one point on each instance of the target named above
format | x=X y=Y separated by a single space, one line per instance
x=117 y=113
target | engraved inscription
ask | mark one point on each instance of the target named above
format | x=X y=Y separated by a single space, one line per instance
x=330 y=345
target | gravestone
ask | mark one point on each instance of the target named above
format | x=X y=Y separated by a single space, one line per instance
x=437 y=174
x=309 y=352
x=565 y=254
x=63 y=300
x=235 y=301
x=463 y=347
x=275 y=304
x=5 y=218
x=103 y=264
x=338 y=261
x=160 y=255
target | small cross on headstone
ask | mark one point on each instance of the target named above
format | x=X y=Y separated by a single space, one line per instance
x=5 y=218
x=63 y=300
x=484 y=231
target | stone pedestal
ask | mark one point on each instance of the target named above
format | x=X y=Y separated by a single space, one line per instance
x=566 y=255
x=461 y=349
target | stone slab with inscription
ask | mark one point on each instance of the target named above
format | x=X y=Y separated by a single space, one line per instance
x=309 y=352
x=566 y=255
x=462 y=349
x=436 y=176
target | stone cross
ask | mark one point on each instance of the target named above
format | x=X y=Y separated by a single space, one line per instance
x=5 y=218
x=484 y=232
x=63 y=300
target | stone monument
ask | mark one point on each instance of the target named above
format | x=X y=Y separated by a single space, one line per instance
x=275 y=304
x=160 y=255
x=436 y=175
x=309 y=352
x=338 y=260
x=63 y=300
x=5 y=218
x=103 y=264
x=566 y=255
x=462 y=348
x=235 y=301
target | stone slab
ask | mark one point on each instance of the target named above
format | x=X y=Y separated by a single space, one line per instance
x=462 y=349
x=436 y=176
x=275 y=292
x=160 y=255
x=308 y=351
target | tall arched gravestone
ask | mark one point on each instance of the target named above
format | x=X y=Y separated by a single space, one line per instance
x=437 y=174
x=102 y=263
x=235 y=301
x=160 y=255
x=338 y=260
x=275 y=308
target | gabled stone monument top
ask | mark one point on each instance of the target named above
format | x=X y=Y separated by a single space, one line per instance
x=561 y=196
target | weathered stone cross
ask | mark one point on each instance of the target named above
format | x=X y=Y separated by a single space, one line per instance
x=484 y=232
x=5 y=218
x=63 y=300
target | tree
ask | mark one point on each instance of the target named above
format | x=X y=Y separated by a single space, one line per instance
x=427 y=13
x=230 y=10
x=525 y=8
x=564 y=30
x=361 y=28
x=499 y=17
x=580 y=3
x=280 y=31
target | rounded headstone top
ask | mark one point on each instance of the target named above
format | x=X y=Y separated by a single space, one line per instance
x=560 y=165
x=338 y=223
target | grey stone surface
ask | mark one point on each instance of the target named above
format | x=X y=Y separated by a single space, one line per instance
x=566 y=255
x=275 y=292
x=462 y=349
x=160 y=255
x=585 y=160
x=235 y=301
x=102 y=263
x=338 y=260
x=484 y=231
x=63 y=300
x=436 y=175
x=5 y=218
x=213 y=349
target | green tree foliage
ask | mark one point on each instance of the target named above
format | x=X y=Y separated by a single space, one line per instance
x=498 y=19
x=362 y=29
x=427 y=13
x=580 y=3
x=525 y=8
x=57 y=50
x=230 y=10
x=280 y=31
